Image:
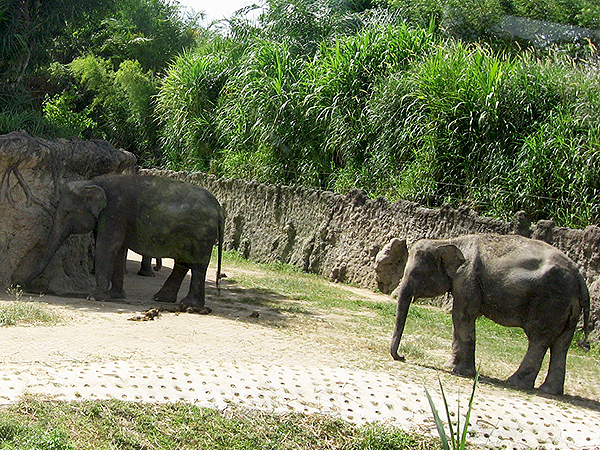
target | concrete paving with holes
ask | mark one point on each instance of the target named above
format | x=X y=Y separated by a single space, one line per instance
x=217 y=360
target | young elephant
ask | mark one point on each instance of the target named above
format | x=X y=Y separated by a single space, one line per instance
x=512 y=280
x=152 y=216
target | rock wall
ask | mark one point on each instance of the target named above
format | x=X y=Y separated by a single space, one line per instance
x=340 y=237
x=31 y=172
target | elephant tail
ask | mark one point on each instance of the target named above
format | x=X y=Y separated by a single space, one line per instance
x=584 y=302
x=221 y=231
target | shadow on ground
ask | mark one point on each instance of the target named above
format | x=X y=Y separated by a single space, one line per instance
x=231 y=301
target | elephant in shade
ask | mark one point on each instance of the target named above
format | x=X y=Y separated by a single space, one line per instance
x=152 y=216
x=512 y=280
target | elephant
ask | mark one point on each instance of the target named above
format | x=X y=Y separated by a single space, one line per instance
x=514 y=281
x=146 y=266
x=150 y=215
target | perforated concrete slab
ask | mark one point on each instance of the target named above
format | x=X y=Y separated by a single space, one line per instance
x=512 y=422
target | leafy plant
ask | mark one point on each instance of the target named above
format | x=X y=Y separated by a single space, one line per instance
x=458 y=437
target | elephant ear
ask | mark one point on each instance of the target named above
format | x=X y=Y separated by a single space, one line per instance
x=95 y=199
x=451 y=259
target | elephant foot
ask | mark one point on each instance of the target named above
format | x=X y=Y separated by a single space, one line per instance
x=195 y=309
x=165 y=298
x=547 y=388
x=464 y=370
x=117 y=294
x=515 y=381
x=146 y=273
x=195 y=305
x=99 y=296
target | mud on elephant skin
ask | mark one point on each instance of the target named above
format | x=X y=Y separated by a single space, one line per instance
x=154 y=216
x=512 y=280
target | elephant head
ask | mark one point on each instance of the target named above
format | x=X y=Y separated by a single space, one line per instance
x=429 y=272
x=80 y=205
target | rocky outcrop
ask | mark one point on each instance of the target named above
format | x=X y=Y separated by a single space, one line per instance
x=32 y=171
x=389 y=265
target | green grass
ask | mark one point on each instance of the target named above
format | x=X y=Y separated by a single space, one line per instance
x=19 y=312
x=35 y=424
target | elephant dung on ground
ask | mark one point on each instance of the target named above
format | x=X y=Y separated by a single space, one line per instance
x=150 y=215
x=512 y=280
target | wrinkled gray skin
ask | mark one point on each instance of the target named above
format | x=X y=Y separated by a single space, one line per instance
x=150 y=215
x=512 y=280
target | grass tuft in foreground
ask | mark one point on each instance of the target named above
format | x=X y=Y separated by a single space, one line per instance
x=35 y=424
x=20 y=312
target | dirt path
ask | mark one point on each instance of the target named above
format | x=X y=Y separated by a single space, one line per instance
x=230 y=356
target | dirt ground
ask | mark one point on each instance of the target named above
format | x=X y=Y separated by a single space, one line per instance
x=230 y=356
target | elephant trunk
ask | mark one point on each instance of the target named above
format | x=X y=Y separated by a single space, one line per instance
x=404 y=299
x=57 y=237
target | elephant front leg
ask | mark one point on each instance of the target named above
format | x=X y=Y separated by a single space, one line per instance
x=116 y=290
x=168 y=293
x=109 y=255
x=463 y=343
x=196 y=297
x=104 y=271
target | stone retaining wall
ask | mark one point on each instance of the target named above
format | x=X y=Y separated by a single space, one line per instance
x=339 y=237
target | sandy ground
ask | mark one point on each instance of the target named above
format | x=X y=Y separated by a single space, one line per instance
x=230 y=357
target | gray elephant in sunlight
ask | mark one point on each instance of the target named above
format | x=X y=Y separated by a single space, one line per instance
x=150 y=215
x=512 y=280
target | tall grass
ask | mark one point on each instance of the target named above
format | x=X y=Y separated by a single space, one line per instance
x=186 y=105
x=396 y=111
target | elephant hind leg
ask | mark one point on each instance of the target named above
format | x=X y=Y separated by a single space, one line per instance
x=196 y=296
x=524 y=377
x=168 y=293
x=555 y=380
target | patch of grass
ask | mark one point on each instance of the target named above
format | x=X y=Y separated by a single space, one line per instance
x=20 y=435
x=20 y=312
x=114 y=424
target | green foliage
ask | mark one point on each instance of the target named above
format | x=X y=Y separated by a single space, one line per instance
x=60 y=115
x=27 y=29
x=89 y=69
x=331 y=94
x=391 y=109
x=339 y=83
x=257 y=118
x=458 y=438
x=472 y=19
x=99 y=101
x=572 y=12
x=16 y=435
